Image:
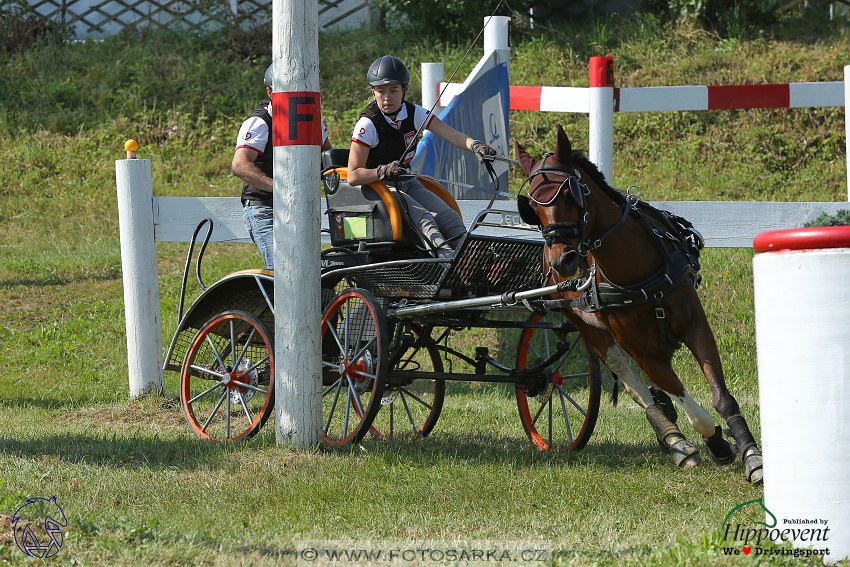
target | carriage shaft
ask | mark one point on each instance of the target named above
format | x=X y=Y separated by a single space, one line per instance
x=406 y=376
x=509 y=298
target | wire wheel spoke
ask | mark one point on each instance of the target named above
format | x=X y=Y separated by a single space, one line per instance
x=239 y=347
x=573 y=377
x=352 y=365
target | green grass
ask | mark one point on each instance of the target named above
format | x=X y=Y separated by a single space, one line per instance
x=138 y=488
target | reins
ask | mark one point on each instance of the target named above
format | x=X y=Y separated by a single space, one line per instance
x=598 y=295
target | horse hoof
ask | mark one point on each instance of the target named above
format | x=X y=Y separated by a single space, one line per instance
x=719 y=449
x=755 y=469
x=685 y=455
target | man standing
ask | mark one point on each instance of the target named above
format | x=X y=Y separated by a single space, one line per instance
x=253 y=163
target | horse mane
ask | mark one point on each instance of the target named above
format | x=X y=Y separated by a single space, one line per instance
x=582 y=161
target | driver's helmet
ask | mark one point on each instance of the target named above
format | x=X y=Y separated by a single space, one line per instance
x=387 y=70
x=268 y=78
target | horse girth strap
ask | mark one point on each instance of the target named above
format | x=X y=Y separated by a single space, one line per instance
x=603 y=295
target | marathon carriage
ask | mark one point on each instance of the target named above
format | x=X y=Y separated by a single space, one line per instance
x=388 y=312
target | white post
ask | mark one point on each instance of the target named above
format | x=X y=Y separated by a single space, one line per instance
x=847 y=122
x=432 y=75
x=601 y=134
x=141 y=281
x=496 y=34
x=297 y=138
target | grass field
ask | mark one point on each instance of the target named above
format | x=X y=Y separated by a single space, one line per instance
x=137 y=487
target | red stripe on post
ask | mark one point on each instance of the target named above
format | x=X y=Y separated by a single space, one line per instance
x=296 y=119
x=525 y=98
x=811 y=238
x=748 y=96
x=601 y=72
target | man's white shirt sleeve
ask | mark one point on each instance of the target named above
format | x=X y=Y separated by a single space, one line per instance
x=253 y=134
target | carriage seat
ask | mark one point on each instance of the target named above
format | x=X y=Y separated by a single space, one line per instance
x=369 y=216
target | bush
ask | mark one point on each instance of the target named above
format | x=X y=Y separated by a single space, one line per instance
x=23 y=28
x=456 y=20
x=730 y=18
x=841 y=218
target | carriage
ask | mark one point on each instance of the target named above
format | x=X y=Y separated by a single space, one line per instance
x=613 y=277
x=388 y=314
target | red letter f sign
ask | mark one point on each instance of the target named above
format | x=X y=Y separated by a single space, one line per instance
x=297 y=119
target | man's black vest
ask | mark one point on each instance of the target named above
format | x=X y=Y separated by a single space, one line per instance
x=390 y=141
x=264 y=162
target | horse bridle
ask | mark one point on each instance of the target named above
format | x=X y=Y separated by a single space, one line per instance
x=562 y=232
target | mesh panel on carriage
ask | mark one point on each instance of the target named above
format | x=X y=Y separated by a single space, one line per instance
x=489 y=265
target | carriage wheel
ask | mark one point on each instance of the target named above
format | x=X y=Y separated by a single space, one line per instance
x=559 y=415
x=227 y=380
x=354 y=360
x=414 y=408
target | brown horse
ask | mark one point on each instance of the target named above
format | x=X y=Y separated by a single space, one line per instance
x=641 y=275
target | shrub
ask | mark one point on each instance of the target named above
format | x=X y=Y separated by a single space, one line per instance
x=23 y=28
x=841 y=218
x=456 y=20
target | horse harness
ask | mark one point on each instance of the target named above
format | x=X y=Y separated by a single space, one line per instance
x=681 y=263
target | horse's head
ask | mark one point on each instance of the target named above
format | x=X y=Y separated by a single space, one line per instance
x=556 y=202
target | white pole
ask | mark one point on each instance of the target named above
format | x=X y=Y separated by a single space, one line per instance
x=496 y=34
x=601 y=134
x=847 y=122
x=297 y=139
x=432 y=75
x=141 y=281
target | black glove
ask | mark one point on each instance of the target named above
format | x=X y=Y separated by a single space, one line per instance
x=482 y=151
x=393 y=169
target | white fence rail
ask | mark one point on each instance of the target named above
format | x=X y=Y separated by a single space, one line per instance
x=723 y=224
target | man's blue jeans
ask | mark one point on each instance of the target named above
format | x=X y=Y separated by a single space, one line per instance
x=259 y=221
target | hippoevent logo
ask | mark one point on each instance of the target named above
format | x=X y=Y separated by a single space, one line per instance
x=40 y=530
x=749 y=536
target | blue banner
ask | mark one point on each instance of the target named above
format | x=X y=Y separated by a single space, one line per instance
x=481 y=112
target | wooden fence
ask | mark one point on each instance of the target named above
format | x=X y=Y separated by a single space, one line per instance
x=94 y=19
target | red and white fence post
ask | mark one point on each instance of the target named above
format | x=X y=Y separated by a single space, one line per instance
x=432 y=75
x=802 y=305
x=601 y=106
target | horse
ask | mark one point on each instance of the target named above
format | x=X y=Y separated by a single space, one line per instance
x=631 y=273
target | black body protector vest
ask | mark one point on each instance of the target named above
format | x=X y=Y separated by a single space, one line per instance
x=264 y=162
x=391 y=142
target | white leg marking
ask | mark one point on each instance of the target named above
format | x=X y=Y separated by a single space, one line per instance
x=698 y=416
x=615 y=359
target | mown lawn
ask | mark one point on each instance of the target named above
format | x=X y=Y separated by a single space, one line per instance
x=138 y=488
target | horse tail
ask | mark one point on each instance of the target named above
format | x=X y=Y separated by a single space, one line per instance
x=615 y=391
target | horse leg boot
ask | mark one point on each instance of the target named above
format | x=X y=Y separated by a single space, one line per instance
x=684 y=454
x=719 y=449
x=747 y=448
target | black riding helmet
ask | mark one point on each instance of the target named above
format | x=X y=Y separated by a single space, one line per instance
x=268 y=78
x=387 y=70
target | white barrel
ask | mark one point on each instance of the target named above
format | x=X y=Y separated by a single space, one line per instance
x=802 y=307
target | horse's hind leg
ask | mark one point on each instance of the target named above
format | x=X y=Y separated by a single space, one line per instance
x=671 y=439
x=701 y=343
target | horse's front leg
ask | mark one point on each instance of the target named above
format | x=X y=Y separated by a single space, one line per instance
x=700 y=340
x=669 y=436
